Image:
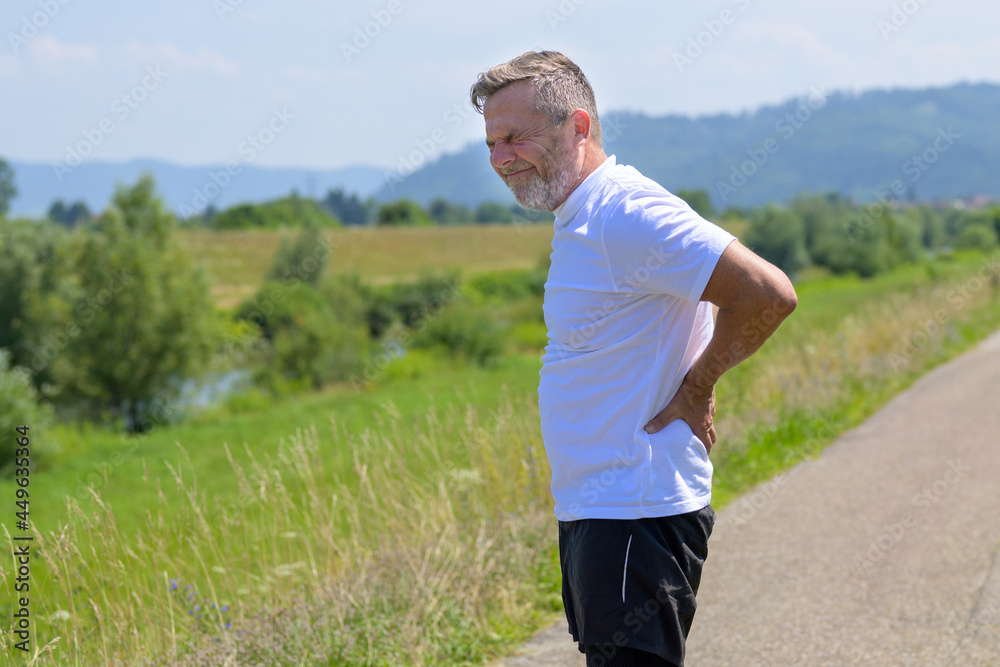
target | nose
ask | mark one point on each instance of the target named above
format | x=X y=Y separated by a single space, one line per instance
x=502 y=155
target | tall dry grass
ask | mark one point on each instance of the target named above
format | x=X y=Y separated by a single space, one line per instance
x=387 y=566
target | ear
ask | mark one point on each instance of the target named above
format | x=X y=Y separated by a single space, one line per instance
x=579 y=120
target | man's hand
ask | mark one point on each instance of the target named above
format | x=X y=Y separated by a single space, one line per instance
x=753 y=297
x=695 y=405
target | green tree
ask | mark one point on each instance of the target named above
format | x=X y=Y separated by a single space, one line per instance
x=69 y=216
x=37 y=289
x=349 y=208
x=699 y=200
x=145 y=318
x=292 y=211
x=19 y=406
x=443 y=212
x=977 y=236
x=778 y=235
x=7 y=188
x=302 y=259
x=491 y=211
x=401 y=213
x=308 y=342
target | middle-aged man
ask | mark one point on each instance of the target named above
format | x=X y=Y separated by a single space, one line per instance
x=627 y=393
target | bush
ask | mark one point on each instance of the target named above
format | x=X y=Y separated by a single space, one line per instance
x=977 y=237
x=307 y=340
x=292 y=211
x=412 y=303
x=19 y=406
x=402 y=213
x=779 y=236
x=464 y=330
x=302 y=259
x=508 y=286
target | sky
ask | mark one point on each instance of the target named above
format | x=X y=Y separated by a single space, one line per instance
x=325 y=85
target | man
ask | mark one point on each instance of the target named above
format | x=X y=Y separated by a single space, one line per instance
x=627 y=383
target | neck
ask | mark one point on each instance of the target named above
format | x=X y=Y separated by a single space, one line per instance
x=593 y=157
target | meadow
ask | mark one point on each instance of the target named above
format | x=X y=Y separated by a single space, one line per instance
x=236 y=260
x=409 y=522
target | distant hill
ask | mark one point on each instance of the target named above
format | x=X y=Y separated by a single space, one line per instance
x=94 y=182
x=854 y=144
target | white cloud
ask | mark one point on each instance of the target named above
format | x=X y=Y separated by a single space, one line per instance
x=205 y=60
x=50 y=52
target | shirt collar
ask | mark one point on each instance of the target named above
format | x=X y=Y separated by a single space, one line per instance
x=569 y=208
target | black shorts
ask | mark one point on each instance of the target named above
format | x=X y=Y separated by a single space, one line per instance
x=632 y=582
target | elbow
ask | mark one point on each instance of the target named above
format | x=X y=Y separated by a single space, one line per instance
x=788 y=297
x=785 y=298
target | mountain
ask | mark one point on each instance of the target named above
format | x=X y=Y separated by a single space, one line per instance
x=183 y=188
x=929 y=143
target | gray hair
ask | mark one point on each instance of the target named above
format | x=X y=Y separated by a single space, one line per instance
x=560 y=86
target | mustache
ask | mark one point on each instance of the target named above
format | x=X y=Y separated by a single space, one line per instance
x=515 y=167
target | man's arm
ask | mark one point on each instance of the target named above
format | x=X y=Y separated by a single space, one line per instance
x=753 y=297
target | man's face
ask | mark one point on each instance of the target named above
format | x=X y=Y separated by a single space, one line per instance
x=536 y=160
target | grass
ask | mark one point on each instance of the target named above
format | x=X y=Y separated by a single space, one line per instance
x=411 y=524
x=238 y=260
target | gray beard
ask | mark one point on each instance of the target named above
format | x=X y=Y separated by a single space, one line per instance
x=543 y=195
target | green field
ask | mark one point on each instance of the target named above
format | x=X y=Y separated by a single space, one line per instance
x=237 y=261
x=410 y=523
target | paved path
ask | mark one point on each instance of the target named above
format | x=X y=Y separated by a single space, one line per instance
x=885 y=550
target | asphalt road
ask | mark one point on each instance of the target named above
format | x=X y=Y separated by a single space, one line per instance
x=884 y=550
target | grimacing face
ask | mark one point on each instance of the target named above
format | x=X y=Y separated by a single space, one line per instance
x=534 y=158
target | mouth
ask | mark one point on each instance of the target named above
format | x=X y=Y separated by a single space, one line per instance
x=518 y=172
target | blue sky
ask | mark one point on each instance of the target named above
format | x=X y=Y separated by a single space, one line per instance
x=189 y=81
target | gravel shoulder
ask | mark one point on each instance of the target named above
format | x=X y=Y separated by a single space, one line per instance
x=884 y=550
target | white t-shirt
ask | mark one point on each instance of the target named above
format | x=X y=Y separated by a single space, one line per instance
x=630 y=262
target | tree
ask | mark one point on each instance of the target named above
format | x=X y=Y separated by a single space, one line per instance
x=443 y=212
x=19 y=407
x=7 y=188
x=304 y=259
x=778 y=236
x=349 y=208
x=144 y=318
x=69 y=216
x=307 y=340
x=37 y=288
x=699 y=200
x=401 y=213
x=491 y=211
x=292 y=211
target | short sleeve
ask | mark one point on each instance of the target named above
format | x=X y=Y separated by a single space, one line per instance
x=657 y=244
